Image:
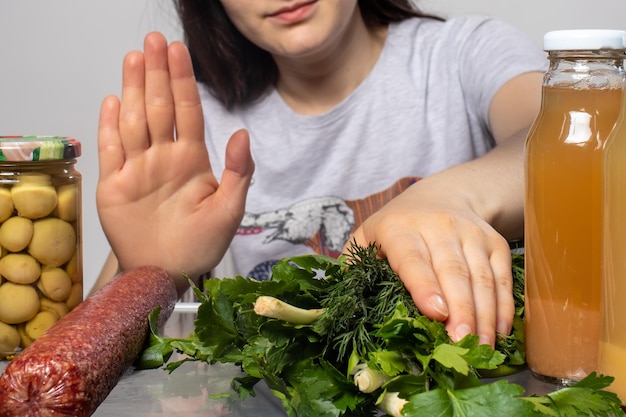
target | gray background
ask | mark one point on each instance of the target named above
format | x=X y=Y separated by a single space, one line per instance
x=58 y=59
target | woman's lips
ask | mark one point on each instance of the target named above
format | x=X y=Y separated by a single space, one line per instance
x=295 y=14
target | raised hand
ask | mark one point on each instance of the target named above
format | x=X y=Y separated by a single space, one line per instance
x=158 y=200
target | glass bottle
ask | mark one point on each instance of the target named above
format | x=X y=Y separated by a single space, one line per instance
x=581 y=98
x=41 y=276
x=612 y=354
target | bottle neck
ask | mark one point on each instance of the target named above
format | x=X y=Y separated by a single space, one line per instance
x=593 y=69
x=597 y=54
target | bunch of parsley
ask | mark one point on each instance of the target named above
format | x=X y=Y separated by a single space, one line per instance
x=369 y=320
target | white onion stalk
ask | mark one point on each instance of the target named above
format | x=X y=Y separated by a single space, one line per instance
x=367 y=379
x=392 y=404
x=274 y=308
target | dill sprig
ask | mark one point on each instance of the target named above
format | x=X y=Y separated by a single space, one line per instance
x=517 y=266
x=366 y=292
x=363 y=295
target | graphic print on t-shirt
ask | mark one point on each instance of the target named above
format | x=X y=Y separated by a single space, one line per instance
x=321 y=223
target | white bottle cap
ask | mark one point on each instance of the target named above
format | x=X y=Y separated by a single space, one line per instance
x=584 y=39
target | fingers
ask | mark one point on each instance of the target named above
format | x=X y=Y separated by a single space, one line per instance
x=159 y=101
x=132 y=118
x=466 y=283
x=492 y=289
x=188 y=107
x=502 y=272
x=159 y=92
x=110 y=150
x=238 y=171
x=409 y=258
x=473 y=294
x=478 y=288
x=412 y=261
x=456 y=283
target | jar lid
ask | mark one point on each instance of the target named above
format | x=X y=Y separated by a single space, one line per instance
x=38 y=148
x=584 y=39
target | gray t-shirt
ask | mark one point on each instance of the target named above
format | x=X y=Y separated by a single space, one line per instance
x=423 y=108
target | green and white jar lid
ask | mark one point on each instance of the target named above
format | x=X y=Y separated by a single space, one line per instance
x=38 y=148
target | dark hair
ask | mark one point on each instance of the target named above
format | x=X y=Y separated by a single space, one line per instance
x=235 y=70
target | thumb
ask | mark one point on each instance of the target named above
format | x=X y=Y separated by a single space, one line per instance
x=238 y=170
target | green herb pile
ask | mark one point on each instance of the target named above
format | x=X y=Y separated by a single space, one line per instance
x=364 y=348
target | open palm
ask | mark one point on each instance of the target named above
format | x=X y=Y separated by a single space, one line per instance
x=158 y=199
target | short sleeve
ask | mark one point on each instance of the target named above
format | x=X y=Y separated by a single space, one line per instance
x=490 y=53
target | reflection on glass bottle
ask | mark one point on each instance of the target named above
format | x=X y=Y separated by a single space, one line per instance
x=579 y=129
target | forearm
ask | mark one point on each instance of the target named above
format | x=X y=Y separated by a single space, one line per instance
x=499 y=189
x=492 y=186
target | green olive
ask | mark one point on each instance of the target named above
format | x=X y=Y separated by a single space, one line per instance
x=53 y=242
x=40 y=323
x=18 y=303
x=9 y=338
x=67 y=206
x=34 y=200
x=20 y=268
x=15 y=233
x=6 y=204
x=55 y=284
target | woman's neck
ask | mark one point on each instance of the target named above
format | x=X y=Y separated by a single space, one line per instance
x=316 y=85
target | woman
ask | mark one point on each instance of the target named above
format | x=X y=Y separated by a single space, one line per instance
x=367 y=121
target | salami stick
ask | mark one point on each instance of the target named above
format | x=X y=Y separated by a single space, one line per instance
x=70 y=369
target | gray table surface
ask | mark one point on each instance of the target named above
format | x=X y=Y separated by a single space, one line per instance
x=187 y=391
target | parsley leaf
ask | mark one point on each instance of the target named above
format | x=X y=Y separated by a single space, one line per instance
x=369 y=330
x=496 y=399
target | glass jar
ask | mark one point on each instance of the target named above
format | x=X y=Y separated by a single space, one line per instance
x=41 y=277
x=581 y=98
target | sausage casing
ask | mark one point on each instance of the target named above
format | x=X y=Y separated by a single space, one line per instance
x=70 y=369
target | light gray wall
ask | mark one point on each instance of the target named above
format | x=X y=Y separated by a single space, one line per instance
x=536 y=17
x=59 y=58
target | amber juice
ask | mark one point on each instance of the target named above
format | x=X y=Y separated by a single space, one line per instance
x=612 y=354
x=563 y=236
